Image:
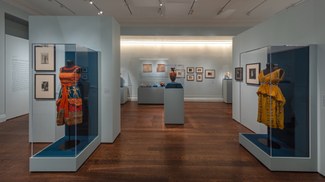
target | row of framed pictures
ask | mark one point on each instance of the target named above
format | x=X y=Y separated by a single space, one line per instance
x=252 y=71
x=44 y=60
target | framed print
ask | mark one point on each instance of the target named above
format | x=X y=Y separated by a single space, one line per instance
x=210 y=73
x=44 y=58
x=44 y=86
x=199 y=77
x=180 y=73
x=190 y=70
x=239 y=74
x=161 y=68
x=190 y=77
x=147 y=68
x=252 y=71
x=199 y=70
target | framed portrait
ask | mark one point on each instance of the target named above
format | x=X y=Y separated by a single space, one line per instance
x=252 y=71
x=180 y=73
x=44 y=86
x=190 y=70
x=199 y=70
x=190 y=77
x=161 y=68
x=239 y=73
x=147 y=68
x=44 y=58
x=199 y=77
x=210 y=73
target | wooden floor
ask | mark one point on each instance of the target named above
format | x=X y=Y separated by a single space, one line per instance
x=204 y=149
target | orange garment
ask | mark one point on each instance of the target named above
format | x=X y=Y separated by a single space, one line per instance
x=69 y=103
x=271 y=100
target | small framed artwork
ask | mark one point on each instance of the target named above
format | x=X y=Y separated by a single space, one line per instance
x=44 y=58
x=44 y=86
x=190 y=77
x=210 y=73
x=252 y=71
x=190 y=70
x=199 y=77
x=147 y=68
x=199 y=70
x=84 y=69
x=239 y=74
x=84 y=76
x=180 y=73
x=161 y=68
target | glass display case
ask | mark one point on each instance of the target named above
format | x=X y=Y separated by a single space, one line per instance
x=281 y=80
x=65 y=104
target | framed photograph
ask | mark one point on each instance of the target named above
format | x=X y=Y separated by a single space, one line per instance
x=210 y=73
x=199 y=77
x=239 y=74
x=147 y=68
x=161 y=68
x=44 y=86
x=44 y=58
x=180 y=73
x=190 y=77
x=199 y=70
x=190 y=70
x=252 y=71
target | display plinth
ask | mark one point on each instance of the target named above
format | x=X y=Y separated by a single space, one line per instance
x=174 y=105
x=277 y=163
x=67 y=164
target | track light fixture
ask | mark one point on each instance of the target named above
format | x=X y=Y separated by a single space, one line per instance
x=128 y=6
x=100 y=12
x=63 y=6
x=161 y=6
x=190 y=12
x=255 y=7
x=223 y=7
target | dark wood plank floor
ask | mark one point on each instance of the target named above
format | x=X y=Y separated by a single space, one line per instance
x=205 y=149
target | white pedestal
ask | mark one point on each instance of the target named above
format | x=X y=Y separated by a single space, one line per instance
x=227 y=90
x=174 y=105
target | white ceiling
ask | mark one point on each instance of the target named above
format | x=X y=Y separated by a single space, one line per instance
x=175 y=12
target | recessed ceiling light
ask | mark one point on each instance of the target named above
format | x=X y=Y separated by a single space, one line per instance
x=91 y=2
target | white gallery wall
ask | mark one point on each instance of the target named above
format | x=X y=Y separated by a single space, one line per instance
x=17 y=74
x=5 y=8
x=100 y=33
x=177 y=50
x=303 y=24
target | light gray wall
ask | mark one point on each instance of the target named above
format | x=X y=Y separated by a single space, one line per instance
x=5 y=8
x=209 y=57
x=98 y=33
x=17 y=72
x=300 y=25
x=182 y=31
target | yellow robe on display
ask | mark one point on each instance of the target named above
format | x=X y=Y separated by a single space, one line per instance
x=270 y=100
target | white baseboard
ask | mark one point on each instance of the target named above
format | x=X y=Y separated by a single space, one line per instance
x=200 y=99
x=3 y=118
x=190 y=99
x=133 y=99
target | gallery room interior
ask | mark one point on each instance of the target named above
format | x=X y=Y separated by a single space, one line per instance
x=162 y=90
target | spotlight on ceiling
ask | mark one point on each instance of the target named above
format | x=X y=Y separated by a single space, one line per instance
x=91 y=2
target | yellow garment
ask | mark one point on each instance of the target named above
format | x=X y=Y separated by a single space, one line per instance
x=270 y=100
